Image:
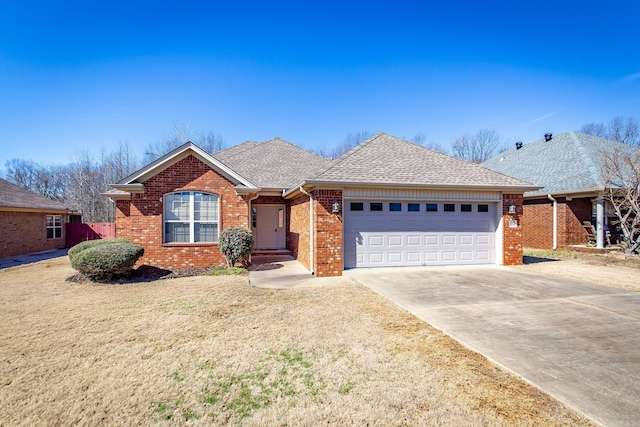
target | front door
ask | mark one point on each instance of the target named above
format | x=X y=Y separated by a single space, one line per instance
x=269 y=226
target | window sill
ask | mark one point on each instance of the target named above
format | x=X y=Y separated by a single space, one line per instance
x=177 y=245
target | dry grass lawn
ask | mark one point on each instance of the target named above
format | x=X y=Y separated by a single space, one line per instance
x=215 y=350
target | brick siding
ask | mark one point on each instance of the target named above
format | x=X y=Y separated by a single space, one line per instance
x=512 y=237
x=537 y=228
x=328 y=233
x=26 y=232
x=538 y=222
x=140 y=218
x=298 y=236
x=571 y=215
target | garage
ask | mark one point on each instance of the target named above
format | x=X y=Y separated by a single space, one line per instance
x=380 y=233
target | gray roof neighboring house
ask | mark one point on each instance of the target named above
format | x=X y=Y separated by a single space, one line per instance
x=272 y=164
x=570 y=163
x=386 y=160
x=16 y=198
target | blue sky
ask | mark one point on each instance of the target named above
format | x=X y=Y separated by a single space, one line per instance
x=89 y=75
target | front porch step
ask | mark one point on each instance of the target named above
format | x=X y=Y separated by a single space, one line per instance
x=270 y=252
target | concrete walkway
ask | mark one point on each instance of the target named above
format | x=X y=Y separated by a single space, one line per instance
x=579 y=342
x=18 y=260
x=284 y=271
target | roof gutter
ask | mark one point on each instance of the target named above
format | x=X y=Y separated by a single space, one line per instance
x=555 y=221
x=311 y=254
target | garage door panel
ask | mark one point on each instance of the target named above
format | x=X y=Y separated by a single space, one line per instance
x=396 y=240
x=395 y=258
x=414 y=240
x=466 y=239
x=419 y=238
x=376 y=240
x=448 y=239
x=413 y=257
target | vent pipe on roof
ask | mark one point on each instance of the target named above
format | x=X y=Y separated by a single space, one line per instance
x=518 y=145
x=547 y=137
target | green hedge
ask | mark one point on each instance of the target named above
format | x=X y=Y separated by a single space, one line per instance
x=236 y=244
x=107 y=261
x=75 y=250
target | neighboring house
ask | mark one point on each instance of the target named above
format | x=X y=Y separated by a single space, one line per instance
x=30 y=222
x=568 y=168
x=387 y=202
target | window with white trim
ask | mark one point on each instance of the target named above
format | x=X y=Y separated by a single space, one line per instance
x=190 y=217
x=54 y=226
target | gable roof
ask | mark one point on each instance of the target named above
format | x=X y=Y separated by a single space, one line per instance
x=15 y=197
x=135 y=181
x=569 y=163
x=272 y=164
x=386 y=160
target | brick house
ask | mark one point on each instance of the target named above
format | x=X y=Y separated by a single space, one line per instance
x=567 y=169
x=387 y=202
x=30 y=222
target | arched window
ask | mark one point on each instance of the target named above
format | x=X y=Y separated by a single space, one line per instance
x=190 y=217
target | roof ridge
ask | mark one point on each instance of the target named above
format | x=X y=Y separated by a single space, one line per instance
x=277 y=138
x=348 y=154
x=586 y=158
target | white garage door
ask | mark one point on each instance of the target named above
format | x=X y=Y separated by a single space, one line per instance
x=381 y=234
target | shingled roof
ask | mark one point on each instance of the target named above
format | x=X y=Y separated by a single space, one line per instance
x=386 y=160
x=567 y=164
x=272 y=164
x=17 y=198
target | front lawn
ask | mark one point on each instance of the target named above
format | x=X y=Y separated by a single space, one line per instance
x=208 y=350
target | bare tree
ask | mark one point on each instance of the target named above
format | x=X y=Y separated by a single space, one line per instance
x=46 y=181
x=595 y=129
x=625 y=130
x=349 y=142
x=421 y=139
x=120 y=163
x=477 y=147
x=180 y=133
x=620 y=128
x=621 y=177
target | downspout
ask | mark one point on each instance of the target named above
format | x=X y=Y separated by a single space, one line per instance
x=555 y=221
x=311 y=254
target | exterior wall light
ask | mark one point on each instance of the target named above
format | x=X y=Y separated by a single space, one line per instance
x=512 y=208
x=335 y=206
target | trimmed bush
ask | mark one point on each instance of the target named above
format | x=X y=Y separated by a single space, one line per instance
x=236 y=244
x=75 y=250
x=107 y=261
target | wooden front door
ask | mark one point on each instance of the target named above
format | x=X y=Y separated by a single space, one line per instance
x=269 y=226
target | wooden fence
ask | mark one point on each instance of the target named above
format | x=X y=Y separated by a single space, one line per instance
x=81 y=231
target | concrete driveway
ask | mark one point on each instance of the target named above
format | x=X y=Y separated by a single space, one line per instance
x=579 y=342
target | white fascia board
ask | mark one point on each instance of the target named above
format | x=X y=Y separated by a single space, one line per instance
x=338 y=185
x=129 y=188
x=590 y=192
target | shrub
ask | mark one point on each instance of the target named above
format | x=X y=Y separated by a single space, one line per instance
x=236 y=244
x=107 y=261
x=75 y=250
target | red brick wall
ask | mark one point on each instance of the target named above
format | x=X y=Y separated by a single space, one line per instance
x=572 y=213
x=140 y=219
x=298 y=235
x=512 y=237
x=537 y=227
x=538 y=222
x=328 y=233
x=26 y=232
